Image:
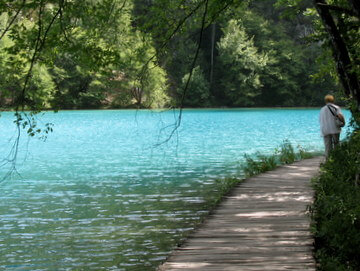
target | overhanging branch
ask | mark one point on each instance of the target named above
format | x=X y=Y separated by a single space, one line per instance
x=337 y=8
x=13 y=19
x=39 y=44
x=179 y=119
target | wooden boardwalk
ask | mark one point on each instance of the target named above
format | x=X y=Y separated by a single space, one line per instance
x=262 y=225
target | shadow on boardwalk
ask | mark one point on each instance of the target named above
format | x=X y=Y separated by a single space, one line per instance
x=262 y=225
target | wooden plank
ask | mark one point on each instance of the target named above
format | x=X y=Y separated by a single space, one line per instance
x=261 y=225
x=242 y=267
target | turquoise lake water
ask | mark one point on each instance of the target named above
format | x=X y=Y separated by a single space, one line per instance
x=101 y=194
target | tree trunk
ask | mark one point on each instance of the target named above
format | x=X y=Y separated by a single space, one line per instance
x=213 y=31
x=344 y=65
x=137 y=94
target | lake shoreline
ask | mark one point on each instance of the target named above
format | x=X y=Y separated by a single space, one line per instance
x=165 y=109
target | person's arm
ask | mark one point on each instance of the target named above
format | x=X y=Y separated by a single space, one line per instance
x=341 y=117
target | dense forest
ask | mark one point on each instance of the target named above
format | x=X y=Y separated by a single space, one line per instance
x=120 y=54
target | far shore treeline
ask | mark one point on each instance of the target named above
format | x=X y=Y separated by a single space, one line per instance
x=131 y=54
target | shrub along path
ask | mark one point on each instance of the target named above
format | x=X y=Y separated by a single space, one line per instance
x=262 y=225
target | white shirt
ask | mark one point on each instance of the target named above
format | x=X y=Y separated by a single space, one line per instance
x=327 y=120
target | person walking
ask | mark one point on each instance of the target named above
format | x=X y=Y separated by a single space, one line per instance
x=331 y=121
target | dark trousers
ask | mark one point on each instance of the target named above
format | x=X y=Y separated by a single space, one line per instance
x=330 y=142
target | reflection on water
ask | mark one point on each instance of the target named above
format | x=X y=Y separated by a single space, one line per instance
x=98 y=194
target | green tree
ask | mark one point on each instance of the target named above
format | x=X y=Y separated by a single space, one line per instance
x=199 y=89
x=139 y=79
x=12 y=72
x=242 y=62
